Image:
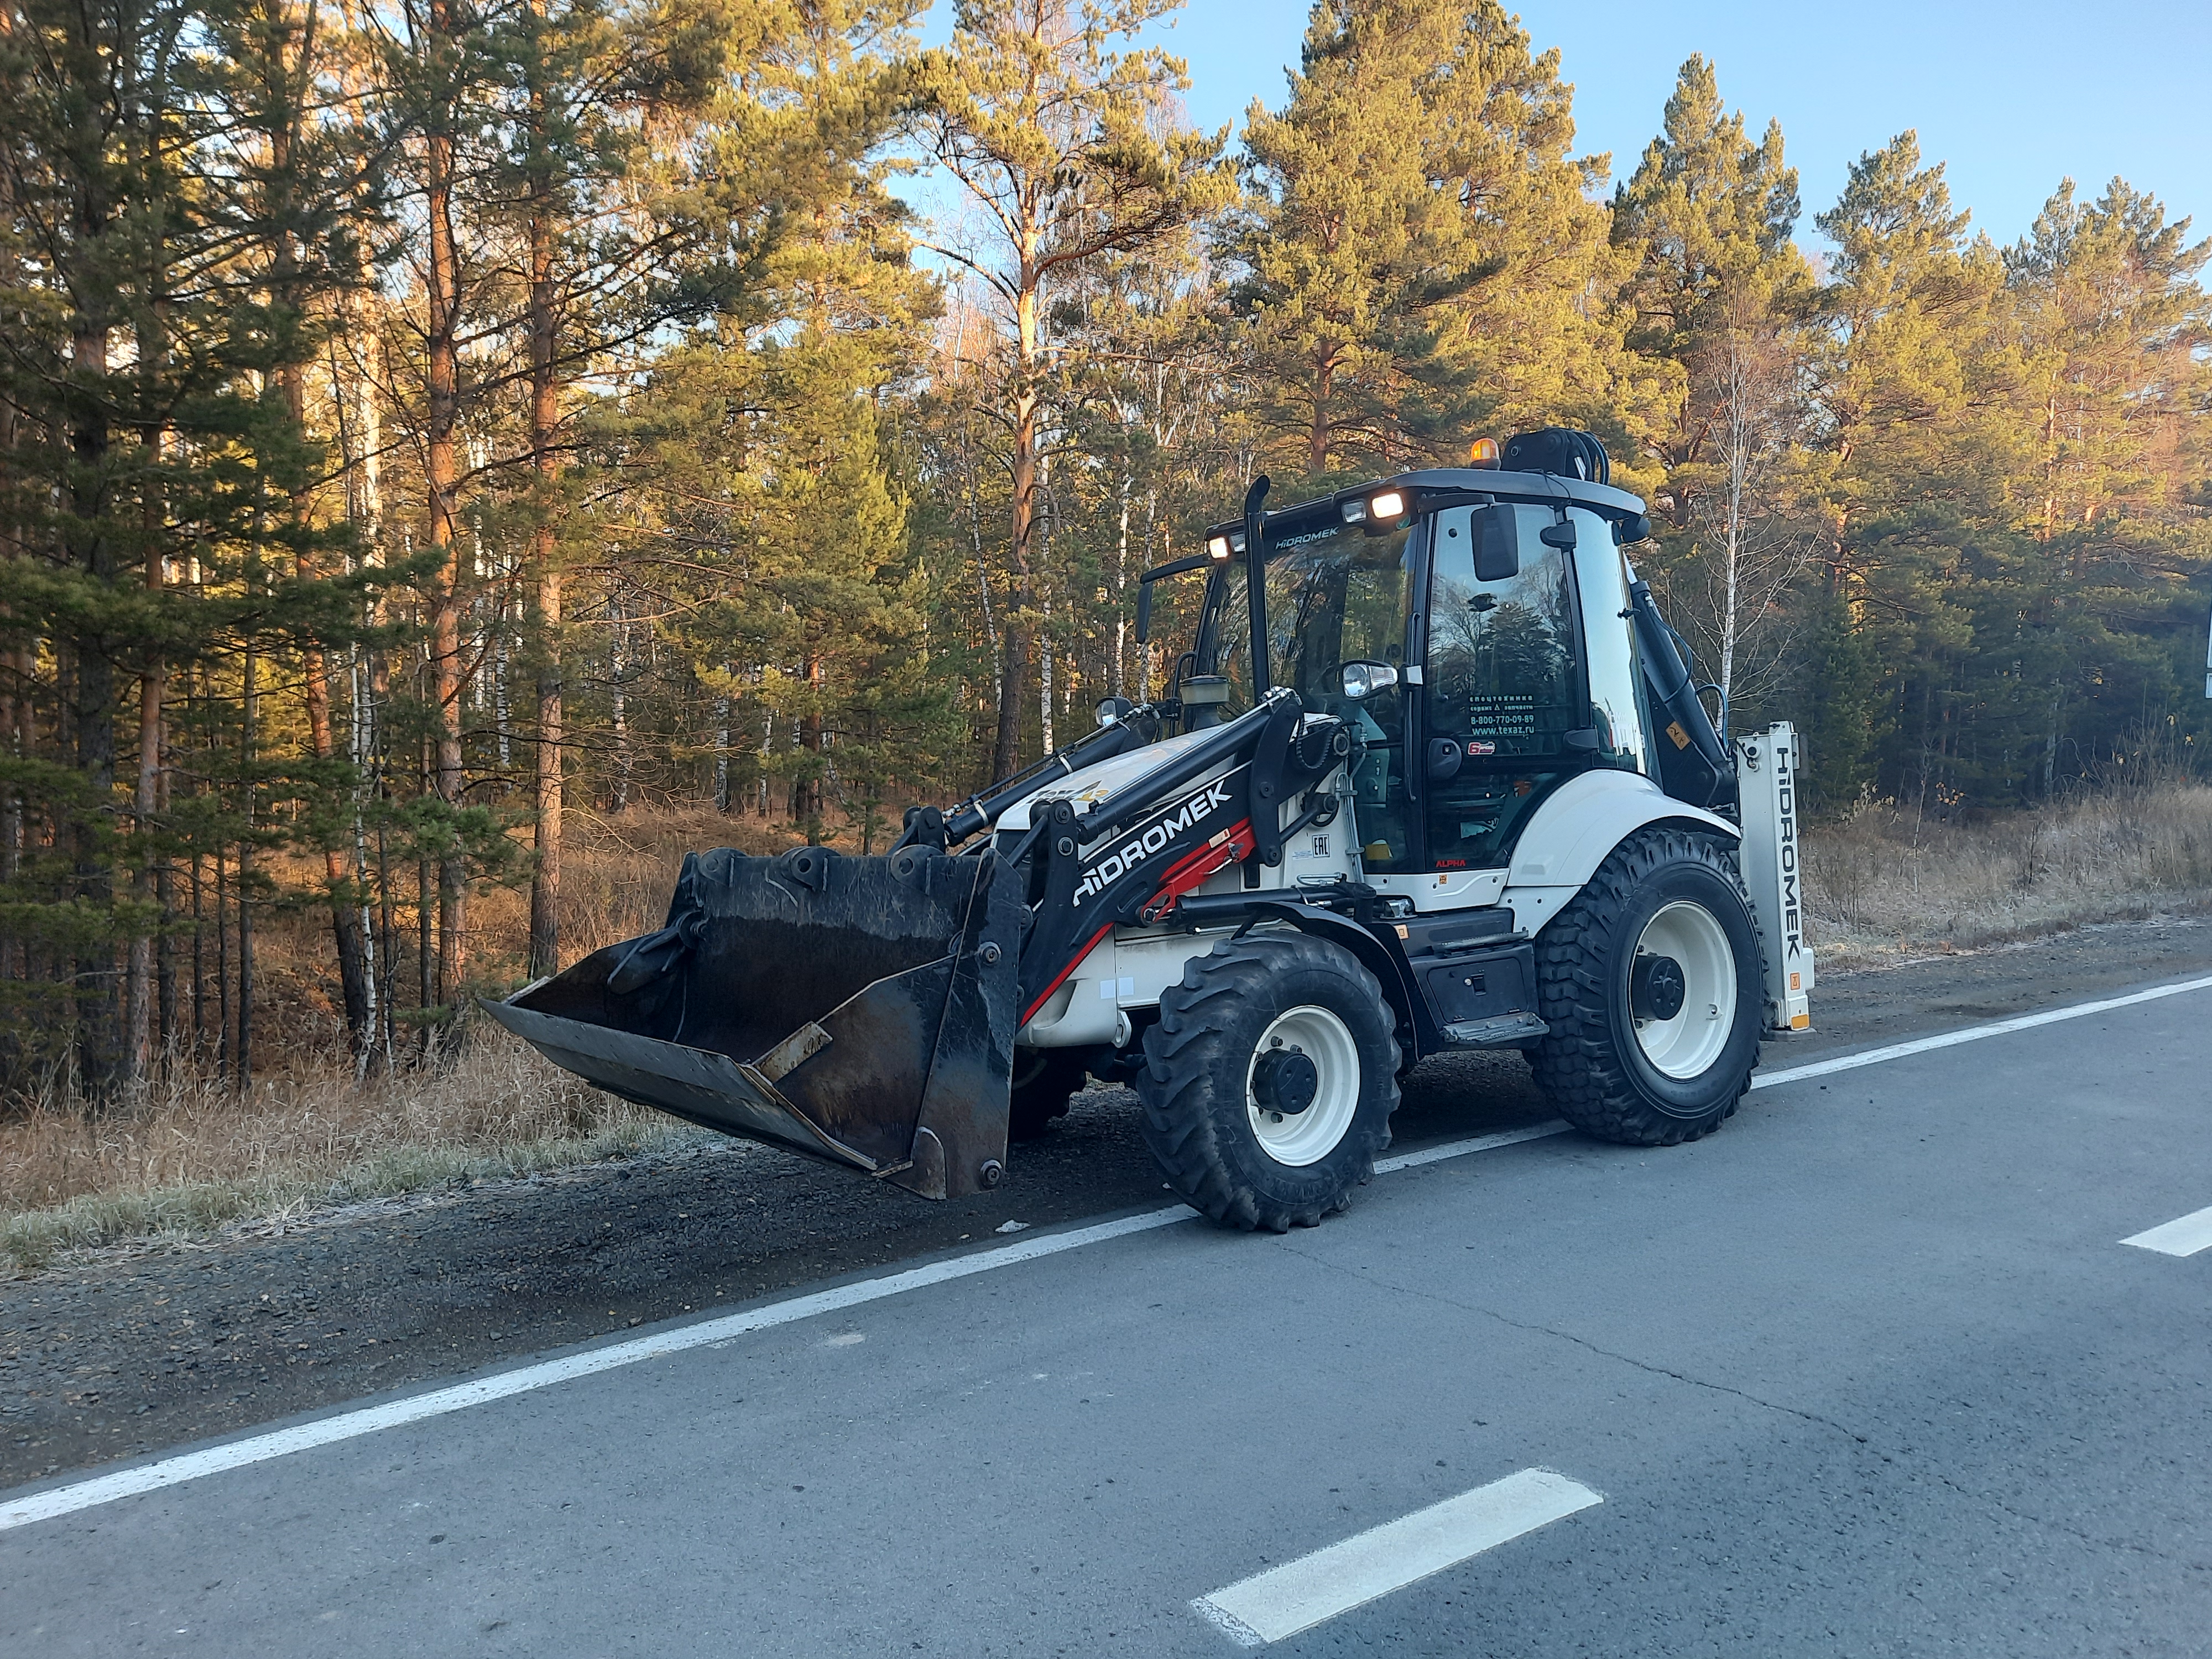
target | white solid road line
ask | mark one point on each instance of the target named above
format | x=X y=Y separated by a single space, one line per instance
x=1462 y=1148
x=346 y=1425
x=2185 y=1237
x=368 y=1419
x=1301 y=1594
x=1971 y=1034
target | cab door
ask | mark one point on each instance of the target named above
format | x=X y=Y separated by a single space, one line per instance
x=1515 y=701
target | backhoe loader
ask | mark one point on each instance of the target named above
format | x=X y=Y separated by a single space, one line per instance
x=1463 y=794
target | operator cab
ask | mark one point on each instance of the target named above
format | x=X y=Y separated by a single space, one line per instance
x=1467 y=625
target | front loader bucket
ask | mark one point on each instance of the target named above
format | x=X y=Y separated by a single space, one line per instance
x=857 y=1010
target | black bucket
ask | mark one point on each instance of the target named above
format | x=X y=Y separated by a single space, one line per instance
x=857 y=1010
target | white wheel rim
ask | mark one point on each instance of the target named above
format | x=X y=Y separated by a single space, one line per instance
x=1692 y=1040
x=1308 y=1136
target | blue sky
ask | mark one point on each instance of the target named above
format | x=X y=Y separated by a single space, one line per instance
x=2012 y=97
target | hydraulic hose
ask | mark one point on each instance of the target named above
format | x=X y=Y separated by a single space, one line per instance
x=980 y=811
x=1140 y=794
x=1671 y=687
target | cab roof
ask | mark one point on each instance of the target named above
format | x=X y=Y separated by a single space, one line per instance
x=1458 y=482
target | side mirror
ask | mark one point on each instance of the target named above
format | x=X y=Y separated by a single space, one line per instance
x=1560 y=535
x=1143 y=613
x=1365 y=679
x=1626 y=532
x=1444 y=757
x=1496 y=530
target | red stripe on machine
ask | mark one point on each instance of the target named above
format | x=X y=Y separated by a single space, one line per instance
x=1061 y=978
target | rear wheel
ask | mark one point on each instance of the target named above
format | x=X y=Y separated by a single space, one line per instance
x=1269 y=1081
x=1650 y=981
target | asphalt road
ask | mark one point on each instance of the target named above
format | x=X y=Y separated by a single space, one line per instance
x=1869 y=1372
x=118 y=1353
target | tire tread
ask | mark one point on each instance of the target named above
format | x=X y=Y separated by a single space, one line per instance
x=1578 y=1063
x=1184 y=1055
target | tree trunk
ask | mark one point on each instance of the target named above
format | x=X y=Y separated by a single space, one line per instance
x=153 y=682
x=1007 y=752
x=338 y=875
x=1317 y=434
x=138 y=983
x=722 y=754
x=15 y=661
x=1121 y=588
x=248 y=741
x=442 y=478
x=618 y=793
x=94 y=551
x=1737 y=413
x=545 y=415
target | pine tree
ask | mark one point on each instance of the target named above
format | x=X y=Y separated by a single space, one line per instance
x=1915 y=381
x=2095 y=605
x=1069 y=150
x=616 y=241
x=103 y=239
x=1715 y=304
x=1420 y=250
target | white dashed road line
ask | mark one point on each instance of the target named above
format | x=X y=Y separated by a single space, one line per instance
x=1301 y=1594
x=391 y=1414
x=2185 y=1237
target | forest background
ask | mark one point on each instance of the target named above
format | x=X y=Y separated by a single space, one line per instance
x=432 y=428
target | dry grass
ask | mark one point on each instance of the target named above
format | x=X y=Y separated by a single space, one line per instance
x=616 y=875
x=193 y=1156
x=1883 y=884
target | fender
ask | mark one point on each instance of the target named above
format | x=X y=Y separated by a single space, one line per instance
x=1574 y=831
x=1379 y=952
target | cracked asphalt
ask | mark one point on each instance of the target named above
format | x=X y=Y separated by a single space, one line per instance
x=1872 y=1371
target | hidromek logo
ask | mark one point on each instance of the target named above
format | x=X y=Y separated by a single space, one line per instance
x=1156 y=836
x=1785 y=778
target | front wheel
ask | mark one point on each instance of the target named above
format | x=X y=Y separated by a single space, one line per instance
x=1650 y=981
x=1269 y=1081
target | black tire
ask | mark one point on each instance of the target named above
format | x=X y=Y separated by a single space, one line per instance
x=1591 y=1063
x=1044 y=1080
x=1199 y=1111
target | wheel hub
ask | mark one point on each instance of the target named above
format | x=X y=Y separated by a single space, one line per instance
x=1656 y=987
x=1682 y=989
x=1285 y=1081
x=1302 y=1088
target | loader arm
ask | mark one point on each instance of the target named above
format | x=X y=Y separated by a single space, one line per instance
x=863 y=1011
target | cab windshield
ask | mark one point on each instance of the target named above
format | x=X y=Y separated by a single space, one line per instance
x=1334 y=595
